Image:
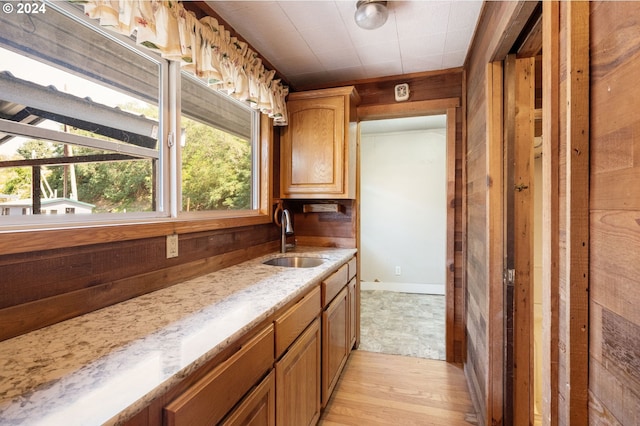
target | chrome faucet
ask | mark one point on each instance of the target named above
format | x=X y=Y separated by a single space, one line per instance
x=287 y=229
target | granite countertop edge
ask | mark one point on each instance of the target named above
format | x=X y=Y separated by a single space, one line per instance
x=106 y=366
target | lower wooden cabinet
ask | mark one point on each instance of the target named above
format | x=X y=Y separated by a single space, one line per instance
x=298 y=380
x=258 y=408
x=213 y=396
x=336 y=340
x=282 y=375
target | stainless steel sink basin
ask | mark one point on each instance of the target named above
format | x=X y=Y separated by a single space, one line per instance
x=295 y=261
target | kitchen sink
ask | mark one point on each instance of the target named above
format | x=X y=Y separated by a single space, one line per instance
x=295 y=261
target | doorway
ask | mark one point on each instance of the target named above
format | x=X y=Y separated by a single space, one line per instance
x=403 y=244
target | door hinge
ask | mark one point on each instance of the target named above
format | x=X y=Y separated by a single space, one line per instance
x=510 y=277
x=171 y=140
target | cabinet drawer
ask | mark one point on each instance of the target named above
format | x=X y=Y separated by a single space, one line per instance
x=333 y=284
x=289 y=326
x=353 y=268
x=211 y=398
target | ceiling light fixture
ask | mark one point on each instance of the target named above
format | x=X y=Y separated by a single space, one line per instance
x=371 y=14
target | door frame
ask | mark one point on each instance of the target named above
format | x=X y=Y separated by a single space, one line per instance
x=519 y=220
x=448 y=107
x=565 y=278
x=510 y=131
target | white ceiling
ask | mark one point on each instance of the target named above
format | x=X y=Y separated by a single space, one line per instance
x=315 y=43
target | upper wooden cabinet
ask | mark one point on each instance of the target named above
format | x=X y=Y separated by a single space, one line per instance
x=318 y=147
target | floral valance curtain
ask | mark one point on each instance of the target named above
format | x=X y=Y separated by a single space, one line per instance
x=202 y=46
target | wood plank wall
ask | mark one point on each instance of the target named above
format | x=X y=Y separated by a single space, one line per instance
x=499 y=26
x=325 y=229
x=614 y=362
x=43 y=287
x=550 y=218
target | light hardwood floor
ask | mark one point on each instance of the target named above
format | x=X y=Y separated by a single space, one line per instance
x=381 y=389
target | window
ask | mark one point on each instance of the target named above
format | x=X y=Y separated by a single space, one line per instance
x=86 y=120
x=218 y=150
x=83 y=126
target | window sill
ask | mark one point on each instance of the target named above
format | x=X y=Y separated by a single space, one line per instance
x=61 y=235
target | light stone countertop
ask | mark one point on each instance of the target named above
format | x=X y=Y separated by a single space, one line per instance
x=103 y=367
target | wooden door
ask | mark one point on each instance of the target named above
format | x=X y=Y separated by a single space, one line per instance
x=298 y=381
x=518 y=256
x=335 y=342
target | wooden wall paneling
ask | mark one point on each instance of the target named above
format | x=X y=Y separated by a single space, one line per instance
x=407 y=109
x=326 y=229
x=461 y=231
x=615 y=270
x=495 y=253
x=12 y=242
x=614 y=239
x=577 y=314
x=614 y=96
x=59 y=284
x=499 y=26
x=75 y=268
x=451 y=223
x=550 y=224
x=523 y=240
x=613 y=368
x=475 y=219
x=430 y=85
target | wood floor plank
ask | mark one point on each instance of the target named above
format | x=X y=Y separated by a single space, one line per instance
x=380 y=389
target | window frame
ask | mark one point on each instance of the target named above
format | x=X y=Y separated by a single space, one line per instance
x=67 y=230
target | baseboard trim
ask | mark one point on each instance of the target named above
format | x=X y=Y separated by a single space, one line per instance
x=403 y=287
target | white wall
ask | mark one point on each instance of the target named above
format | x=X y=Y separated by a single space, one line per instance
x=403 y=211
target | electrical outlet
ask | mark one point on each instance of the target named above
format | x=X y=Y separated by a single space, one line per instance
x=172 y=246
x=398 y=270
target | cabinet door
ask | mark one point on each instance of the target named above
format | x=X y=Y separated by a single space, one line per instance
x=313 y=148
x=258 y=408
x=335 y=342
x=298 y=381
